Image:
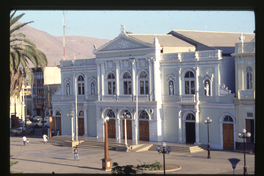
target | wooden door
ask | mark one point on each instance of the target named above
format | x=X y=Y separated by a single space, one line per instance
x=144 y=130
x=111 y=128
x=129 y=129
x=250 y=128
x=80 y=126
x=190 y=132
x=228 y=137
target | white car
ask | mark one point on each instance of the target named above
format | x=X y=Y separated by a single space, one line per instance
x=39 y=124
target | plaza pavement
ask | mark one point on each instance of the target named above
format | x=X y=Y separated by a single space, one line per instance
x=47 y=158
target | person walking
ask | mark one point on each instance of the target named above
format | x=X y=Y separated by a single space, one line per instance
x=27 y=141
x=45 y=138
x=76 y=154
x=52 y=132
x=24 y=140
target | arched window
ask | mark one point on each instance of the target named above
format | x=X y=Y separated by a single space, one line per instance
x=207 y=88
x=190 y=117
x=189 y=83
x=58 y=113
x=110 y=114
x=80 y=85
x=81 y=114
x=143 y=82
x=68 y=89
x=249 y=78
x=127 y=83
x=228 y=119
x=143 y=115
x=111 y=84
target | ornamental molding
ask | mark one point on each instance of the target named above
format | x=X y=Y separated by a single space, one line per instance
x=224 y=90
x=92 y=79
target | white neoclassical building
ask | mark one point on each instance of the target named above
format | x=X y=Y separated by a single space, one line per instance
x=179 y=79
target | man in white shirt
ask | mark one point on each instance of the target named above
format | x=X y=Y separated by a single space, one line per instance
x=24 y=140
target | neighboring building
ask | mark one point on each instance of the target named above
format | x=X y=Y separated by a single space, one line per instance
x=38 y=93
x=52 y=81
x=20 y=106
x=182 y=78
x=245 y=86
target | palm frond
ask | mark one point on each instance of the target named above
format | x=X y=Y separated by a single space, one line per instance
x=17 y=27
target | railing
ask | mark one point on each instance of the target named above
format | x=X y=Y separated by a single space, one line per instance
x=247 y=47
x=187 y=98
x=192 y=55
x=125 y=97
x=109 y=97
x=77 y=62
x=246 y=94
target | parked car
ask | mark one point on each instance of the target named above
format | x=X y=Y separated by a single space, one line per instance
x=18 y=131
x=39 y=124
x=37 y=118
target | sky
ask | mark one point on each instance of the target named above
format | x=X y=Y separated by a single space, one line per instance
x=105 y=24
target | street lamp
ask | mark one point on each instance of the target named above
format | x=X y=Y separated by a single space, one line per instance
x=106 y=161
x=163 y=151
x=125 y=116
x=234 y=162
x=244 y=134
x=208 y=121
x=71 y=124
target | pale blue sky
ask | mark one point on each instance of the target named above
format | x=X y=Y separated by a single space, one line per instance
x=106 y=24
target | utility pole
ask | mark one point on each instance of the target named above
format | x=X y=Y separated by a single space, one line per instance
x=63 y=36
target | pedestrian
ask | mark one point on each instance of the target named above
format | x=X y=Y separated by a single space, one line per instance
x=52 y=132
x=45 y=138
x=75 y=151
x=24 y=140
x=27 y=141
x=58 y=132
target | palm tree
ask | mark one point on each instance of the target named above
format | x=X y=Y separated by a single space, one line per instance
x=22 y=52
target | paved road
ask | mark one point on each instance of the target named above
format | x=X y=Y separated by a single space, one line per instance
x=47 y=158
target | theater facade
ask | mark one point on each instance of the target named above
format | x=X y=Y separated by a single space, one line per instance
x=168 y=84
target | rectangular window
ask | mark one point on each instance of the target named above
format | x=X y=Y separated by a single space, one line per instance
x=79 y=89
x=141 y=87
x=129 y=87
x=125 y=87
x=146 y=87
x=186 y=87
x=109 y=88
x=114 y=92
x=250 y=114
x=82 y=89
x=192 y=87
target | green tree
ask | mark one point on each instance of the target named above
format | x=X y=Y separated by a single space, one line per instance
x=22 y=52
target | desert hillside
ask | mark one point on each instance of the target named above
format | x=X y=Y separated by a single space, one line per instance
x=52 y=46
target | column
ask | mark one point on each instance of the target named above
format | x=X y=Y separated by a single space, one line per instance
x=180 y=124
x=133 y=62
x=73 y=120
x=180 y=82
x=197 y=125
x=197 y=83
x=85 y=120
x=102 y=80
x=117 y=79
x=150 y=80
x=86 y=86
x=98 y=81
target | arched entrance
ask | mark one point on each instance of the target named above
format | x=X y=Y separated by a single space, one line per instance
x=111 y=124
x=190 y=128
x=228 y=133
x=55 y=123
x=81 y=123
x=128 y=126
x=143 y=126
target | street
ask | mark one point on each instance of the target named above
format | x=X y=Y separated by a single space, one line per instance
x=47 y=158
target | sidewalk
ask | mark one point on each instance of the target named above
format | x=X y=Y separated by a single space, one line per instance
x=47 y=158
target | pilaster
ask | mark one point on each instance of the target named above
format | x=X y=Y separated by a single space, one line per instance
x=150 y=79
x=133 y=62
x=117 y=79
x=180 y=124
x=102 y=79
x=98 y=81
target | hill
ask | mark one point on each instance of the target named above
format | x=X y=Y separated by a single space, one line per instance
x=52 y=46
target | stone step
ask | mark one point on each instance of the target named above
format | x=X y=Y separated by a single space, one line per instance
x=141 y=147
x=180 y=149
x=196 y=149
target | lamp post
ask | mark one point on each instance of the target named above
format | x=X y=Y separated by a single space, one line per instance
x=208 y=121
x=234 y=162
x=125 y=116
x=163 y=151
x=106 y=161
x=244 y=134
x=71 y=115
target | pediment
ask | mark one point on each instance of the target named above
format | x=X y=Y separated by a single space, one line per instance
x=123 y=43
